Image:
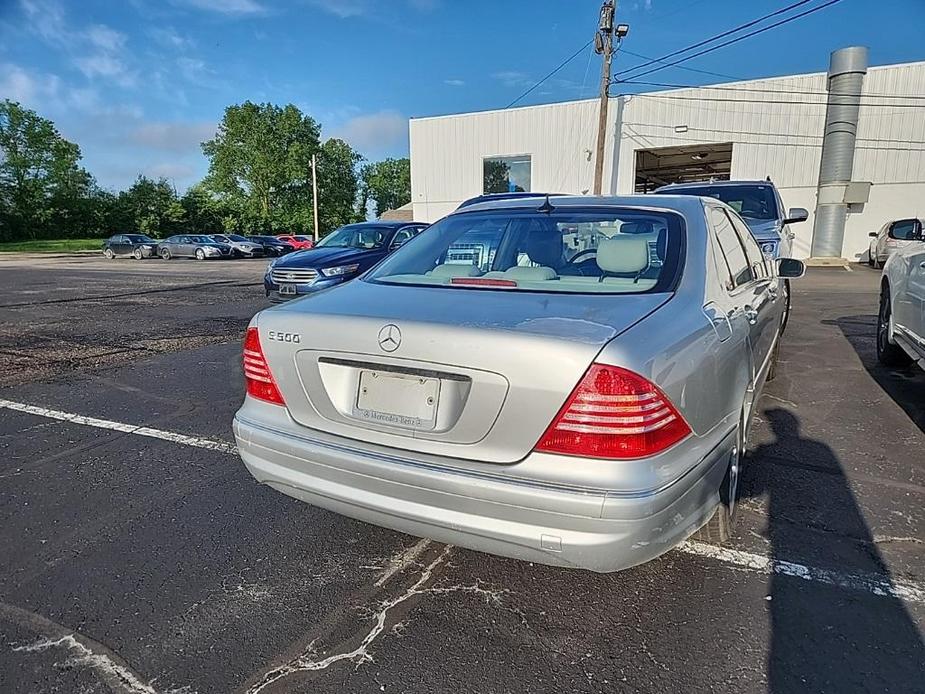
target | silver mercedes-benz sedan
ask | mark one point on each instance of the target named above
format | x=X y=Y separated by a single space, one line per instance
x=566 y=380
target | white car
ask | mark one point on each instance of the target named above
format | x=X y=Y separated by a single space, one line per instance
x=891 y=237
x=901 y=327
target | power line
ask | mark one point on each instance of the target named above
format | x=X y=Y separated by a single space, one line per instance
x=716 y=37
x=788 y=102
x=786 y=20
x=769 y=133
x=682 y=67
x=560 y=66
x=769 y=91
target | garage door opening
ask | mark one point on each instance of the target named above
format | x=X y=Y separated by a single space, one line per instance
x=663 y=165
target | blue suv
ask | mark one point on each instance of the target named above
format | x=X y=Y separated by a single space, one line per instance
x=340 y=256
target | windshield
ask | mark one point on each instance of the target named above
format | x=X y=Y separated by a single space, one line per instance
x=201 y=239
x=236 y=237
x=752 y=201
x=362 y=237
x=139 y=238
x=219 y=237
x=301 y=238
x=618 y=251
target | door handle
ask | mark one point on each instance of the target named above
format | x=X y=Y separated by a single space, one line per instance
x=751 y=315
x=922 y=265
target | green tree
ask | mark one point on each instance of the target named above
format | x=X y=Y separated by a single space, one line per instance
x=203 y=211
x=151 y=207
x=260 y=164
x=40 y=179
x=338 y=185
x=387 y=182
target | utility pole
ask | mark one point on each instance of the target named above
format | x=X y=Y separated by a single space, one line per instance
x=603 y=44
x=315 y=194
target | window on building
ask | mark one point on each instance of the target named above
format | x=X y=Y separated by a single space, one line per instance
x=506 y=174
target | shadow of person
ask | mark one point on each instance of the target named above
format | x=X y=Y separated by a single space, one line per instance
x=826 y=638
x=904 y=386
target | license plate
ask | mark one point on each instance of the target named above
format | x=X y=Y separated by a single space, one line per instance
x=397 y=399
x=287 y=290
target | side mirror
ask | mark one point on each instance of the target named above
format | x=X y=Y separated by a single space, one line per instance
x=790 y=268
x=873 y=234
x=796 y=214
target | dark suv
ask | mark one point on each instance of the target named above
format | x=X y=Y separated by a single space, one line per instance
x=340 y=256
x=758 y=203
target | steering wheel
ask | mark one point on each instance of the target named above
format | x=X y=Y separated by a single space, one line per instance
x=574 y=260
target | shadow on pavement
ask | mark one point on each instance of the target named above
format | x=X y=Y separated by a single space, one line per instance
x=826 y=638
x=905 y=386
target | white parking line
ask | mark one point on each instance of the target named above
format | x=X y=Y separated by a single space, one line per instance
x=174 y=437
x=877 y=584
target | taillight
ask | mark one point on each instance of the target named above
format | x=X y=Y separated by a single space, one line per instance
x=260 y=383
x=614 y=413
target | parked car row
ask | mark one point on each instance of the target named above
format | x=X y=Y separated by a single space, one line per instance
x=561 y=379
x=202 y=246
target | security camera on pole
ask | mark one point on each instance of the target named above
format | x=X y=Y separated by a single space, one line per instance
x=603 y=45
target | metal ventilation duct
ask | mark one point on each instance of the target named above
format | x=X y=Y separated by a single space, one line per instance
x=847 y=68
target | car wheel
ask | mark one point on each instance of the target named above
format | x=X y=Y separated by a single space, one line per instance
x=200 y=254
x=109 y=254
x=870 y=257
x=718 y=529
x=165 y=253
x=137 y=254
x=888 y=354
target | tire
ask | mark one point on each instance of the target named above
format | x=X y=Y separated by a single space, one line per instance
x=137 y=254
x=870 y=258
x=108 y=254
x=877 y=264
x=718 y=529
x=200 y=254
x=164 y=253
x=888 y=354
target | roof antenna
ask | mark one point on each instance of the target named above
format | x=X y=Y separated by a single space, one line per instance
x=546 y=207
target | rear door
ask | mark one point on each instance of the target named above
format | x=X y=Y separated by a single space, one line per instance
x=120 y=245
x=741 y=310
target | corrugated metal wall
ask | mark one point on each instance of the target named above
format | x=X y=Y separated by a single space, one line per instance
x=775 y=124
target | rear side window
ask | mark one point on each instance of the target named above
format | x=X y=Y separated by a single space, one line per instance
x=737 y=264
x=756 y=259
x=610 y=251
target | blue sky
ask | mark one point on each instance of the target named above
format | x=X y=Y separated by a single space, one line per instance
x=139 y=83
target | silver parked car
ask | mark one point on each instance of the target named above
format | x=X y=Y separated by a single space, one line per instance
x=240 y=245
x=892 y=236
x=567 y=380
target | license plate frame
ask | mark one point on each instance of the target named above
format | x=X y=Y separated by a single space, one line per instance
x=397 y=399
x=287 y=290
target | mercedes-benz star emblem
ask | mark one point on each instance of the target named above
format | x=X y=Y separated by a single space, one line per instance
x=389 y=337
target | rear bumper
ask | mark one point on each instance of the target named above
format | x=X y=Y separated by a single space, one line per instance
x=597 y=529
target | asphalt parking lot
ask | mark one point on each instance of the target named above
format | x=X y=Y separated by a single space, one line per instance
x=147 y=560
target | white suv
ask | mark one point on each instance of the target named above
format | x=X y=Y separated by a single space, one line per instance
x=891 y=237
x=901 y=327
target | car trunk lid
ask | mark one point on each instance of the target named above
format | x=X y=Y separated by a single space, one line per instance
x=462 y=373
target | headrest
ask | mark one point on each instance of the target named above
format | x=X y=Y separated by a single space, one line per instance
x=448 y=271
x=530 y=274
x=636 y=228
x=545 y=247
x=623 y=254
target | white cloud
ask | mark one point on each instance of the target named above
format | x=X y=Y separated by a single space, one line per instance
x=172 y=137
x=513 y=78
x=356 y=8
x=46 y=18
x=106 y=66
x=228 y=7
x=377 y=132
x=455 y=82
x=171 y=38
x=30 y=89
x=169 y=170
x=105 y=38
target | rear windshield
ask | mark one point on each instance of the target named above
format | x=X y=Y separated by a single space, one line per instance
x=613 y=251
x=754 y=202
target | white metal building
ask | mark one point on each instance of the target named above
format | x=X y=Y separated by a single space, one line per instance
x=743 y=130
